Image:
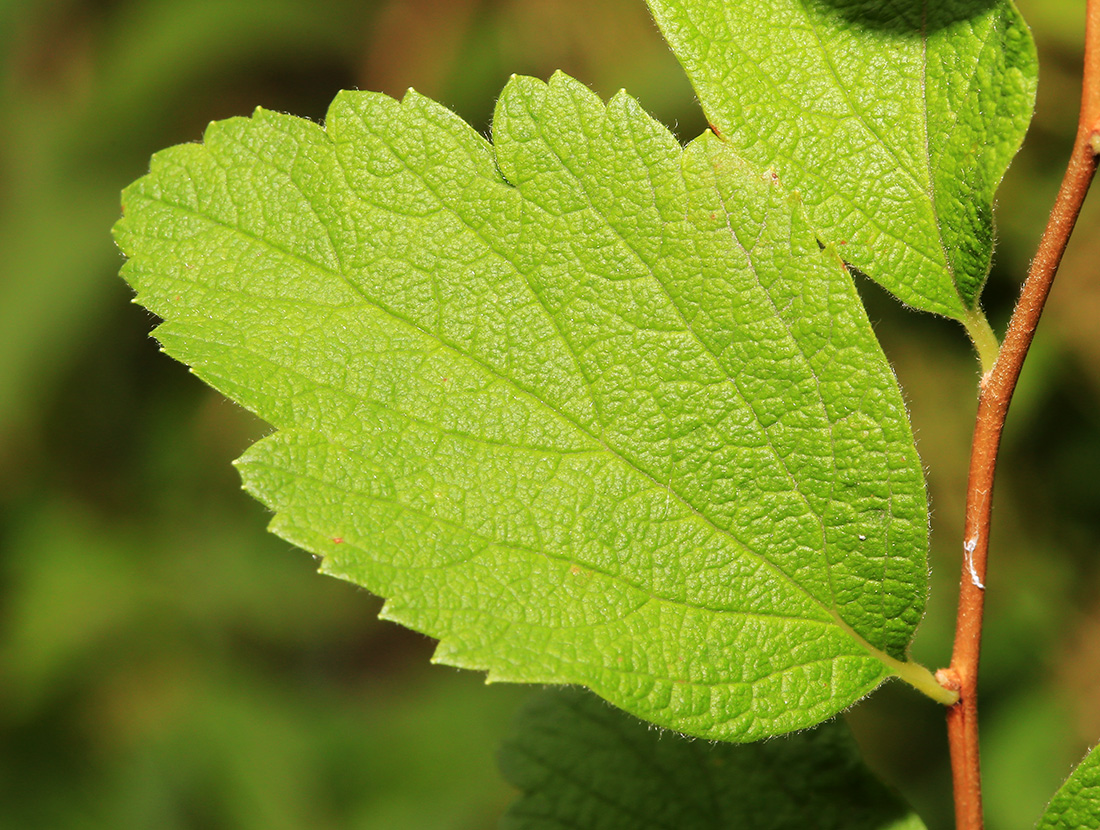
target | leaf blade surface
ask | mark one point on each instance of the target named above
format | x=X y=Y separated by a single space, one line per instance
x=585 y=406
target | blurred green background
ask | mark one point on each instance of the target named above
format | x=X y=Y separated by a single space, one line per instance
x=165 y=663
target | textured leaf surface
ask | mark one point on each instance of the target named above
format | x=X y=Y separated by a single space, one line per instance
x=1076 y=805
x=579 y=763
x=585 y=405
x=895 y=121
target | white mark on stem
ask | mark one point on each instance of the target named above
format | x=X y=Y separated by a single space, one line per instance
x=969 y=546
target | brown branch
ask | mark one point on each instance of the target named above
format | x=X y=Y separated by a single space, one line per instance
x=996 y=393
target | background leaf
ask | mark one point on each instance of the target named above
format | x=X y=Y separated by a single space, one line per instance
x=894 y=121
x=1077 y=803
x=579 y=763
x=573 y=435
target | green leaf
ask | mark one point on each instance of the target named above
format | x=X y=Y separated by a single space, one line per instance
x=585 y=405
x=579 y=763
x=895 y=121
x=1076 y=805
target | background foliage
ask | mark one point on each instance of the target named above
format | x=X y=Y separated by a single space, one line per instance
x=164 y=662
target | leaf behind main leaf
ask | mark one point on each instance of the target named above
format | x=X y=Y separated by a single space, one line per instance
x=895 y=121
x=586 y=406
x=1077 y=802
x=579 y=763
